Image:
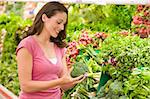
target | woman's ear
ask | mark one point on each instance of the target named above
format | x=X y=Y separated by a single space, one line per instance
x=44 y=17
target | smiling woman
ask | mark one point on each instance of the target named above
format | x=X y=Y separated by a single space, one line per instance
x=41 y=60
x=55 y=24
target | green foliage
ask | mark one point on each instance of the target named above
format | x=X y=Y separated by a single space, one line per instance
x=130 y=51
x=137 y=84
x=108 y=18
x=132 y=56
x=9 y=75
x=120 y=16
x=82 y=57
x=8 y=68
x=83 y=90
x=14 y=26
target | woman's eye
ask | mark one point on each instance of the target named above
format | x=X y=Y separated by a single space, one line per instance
x=58 y=22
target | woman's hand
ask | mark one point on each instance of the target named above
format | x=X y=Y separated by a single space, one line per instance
x=66 y=78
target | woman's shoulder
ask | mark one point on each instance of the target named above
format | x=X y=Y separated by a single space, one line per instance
x=27 y=40
x=26 y=43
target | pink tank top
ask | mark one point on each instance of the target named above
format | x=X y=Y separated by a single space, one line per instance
x=42 y=69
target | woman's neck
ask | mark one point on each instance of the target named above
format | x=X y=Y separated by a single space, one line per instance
x=43 y=39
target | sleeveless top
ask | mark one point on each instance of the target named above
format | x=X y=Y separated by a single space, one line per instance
x=42 y=69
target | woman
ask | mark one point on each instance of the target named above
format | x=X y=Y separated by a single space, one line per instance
x=40 y=56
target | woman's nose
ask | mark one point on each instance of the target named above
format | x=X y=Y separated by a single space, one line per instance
x=62 y=27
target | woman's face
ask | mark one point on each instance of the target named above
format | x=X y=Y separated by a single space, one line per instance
x=55 y=24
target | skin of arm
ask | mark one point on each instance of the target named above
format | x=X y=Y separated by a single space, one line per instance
x=24 y=61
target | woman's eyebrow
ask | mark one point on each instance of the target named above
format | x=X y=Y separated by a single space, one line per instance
x=61 y=20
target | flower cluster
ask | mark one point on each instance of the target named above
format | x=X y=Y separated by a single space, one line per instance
x=141 y=21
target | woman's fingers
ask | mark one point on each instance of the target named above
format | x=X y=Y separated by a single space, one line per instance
x=68 y=79
x=78 y=79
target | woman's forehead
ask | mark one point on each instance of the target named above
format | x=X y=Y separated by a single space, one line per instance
x=60 y=16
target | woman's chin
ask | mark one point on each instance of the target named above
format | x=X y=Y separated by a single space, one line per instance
x=54 y=36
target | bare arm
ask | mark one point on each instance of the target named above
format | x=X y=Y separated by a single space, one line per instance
x=24 y=61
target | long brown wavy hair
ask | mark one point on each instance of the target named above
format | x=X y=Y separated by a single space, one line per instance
x=50 y=9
